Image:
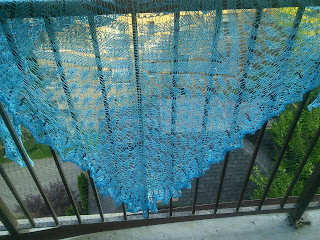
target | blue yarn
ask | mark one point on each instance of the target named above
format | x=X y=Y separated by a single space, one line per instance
x=148 y=114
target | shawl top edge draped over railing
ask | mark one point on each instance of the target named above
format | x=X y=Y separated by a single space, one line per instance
x=147 y=94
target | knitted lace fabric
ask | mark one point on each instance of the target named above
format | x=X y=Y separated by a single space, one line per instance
x=147 y=94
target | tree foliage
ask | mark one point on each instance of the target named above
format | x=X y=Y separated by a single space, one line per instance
x=299 y=143
x=83 y=186
x=34 y=149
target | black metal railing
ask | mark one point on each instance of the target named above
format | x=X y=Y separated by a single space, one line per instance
x=11 y=10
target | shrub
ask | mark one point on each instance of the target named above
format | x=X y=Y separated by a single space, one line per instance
x=83 y=186
x=304 y=131
x=70 y=211
x=57 y=196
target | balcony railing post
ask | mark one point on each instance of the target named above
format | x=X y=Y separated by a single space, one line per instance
x=96 y=196
x=195 y=196
x=139 y=96
x=283 y=148
x=170 y=208
x=124 y=211
x=214 y=59
x=224 y=168
x=302 y=164
x=306 y=196
x=62 y=75
x=66 y=186
x=8 y=219
x=17 y=196
x=26 y=161
x=174 y=91
x=253 y=158
x=102 y=79
x=249 y=57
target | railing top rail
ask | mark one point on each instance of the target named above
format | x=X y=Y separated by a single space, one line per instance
x=58 y=8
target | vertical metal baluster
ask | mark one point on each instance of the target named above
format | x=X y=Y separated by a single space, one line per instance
x=14 y=50
x=96 y=51
x=251 y=47
x=66 y=185
x=287 y=52
x=286 y=55
x=55 y=50
x=226 y=159
x=96 y=195
x=16 y=196
x=137 y=75
x=124 y=211
x=283 y=148
x=176 y=29
x=299 y=170
x=217 y=27
x=142 y=163
x=253 y=159
x=7 y=218
x=31 y=7
x=170 y=208
x=12 y=45
x=56 y=53
x=308 y=153
x=292 y=37
x=306 y=196
x=18 y=60
x=195 y=196
x=26 y=161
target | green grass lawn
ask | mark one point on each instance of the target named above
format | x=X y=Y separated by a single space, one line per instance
x=34 y=150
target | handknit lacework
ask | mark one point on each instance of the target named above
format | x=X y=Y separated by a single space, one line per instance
x=147 y=100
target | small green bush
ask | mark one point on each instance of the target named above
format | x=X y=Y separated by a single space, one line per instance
x=303 y=134
x=83 y=186
x=70 y=211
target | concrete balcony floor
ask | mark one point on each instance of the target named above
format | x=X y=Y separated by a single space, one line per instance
x=268 y=226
